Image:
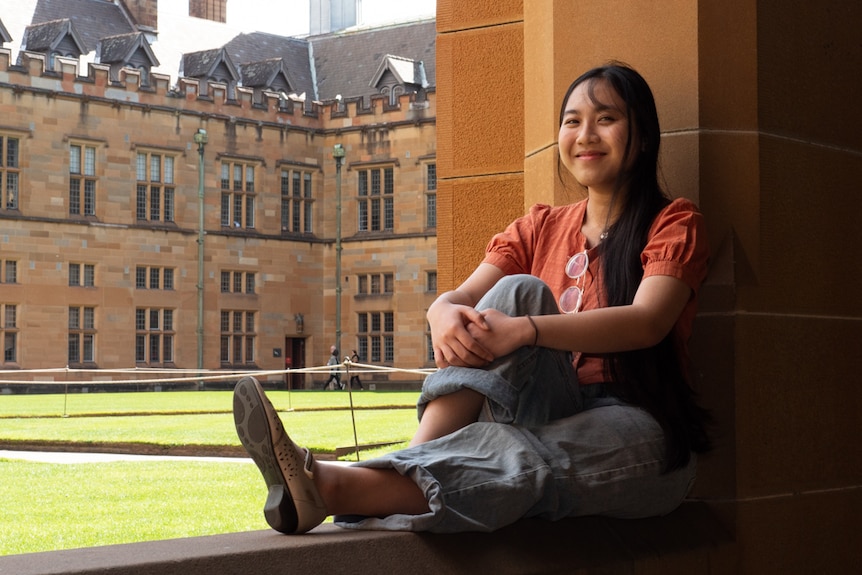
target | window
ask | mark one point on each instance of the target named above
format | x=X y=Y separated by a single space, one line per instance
x=431 y=195
x=82 y=275
x=155 y=198
x=215 y=10
x=82 y=335
x=376 y=200
x=375 y=284
x=9 y=329
x=154 y=336
x=237 y=195
x=9 y=173
x=375 y=334
x=392 y=92
x=237 y=337
x=431 y=282
x=154 y=278
x=10 y=272
x=429 y=343
x=82 y=180
x=297 y=204
x=237 y=282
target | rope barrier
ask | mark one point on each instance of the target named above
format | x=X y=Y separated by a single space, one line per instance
x=347 y=366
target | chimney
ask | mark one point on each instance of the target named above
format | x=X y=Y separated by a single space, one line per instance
x=145 y=13
x=331 y=15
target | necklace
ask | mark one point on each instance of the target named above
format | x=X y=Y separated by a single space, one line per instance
x=603 y=236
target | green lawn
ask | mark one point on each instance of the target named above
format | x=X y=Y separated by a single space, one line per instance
x=52 y=506
x=320 y=431
x=320 y=421
x=62 y=506
x=76 y=404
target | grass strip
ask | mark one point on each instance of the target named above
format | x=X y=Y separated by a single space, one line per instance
x=145 y=402
x=63 y=506
x=49 y=507
x=320 y=431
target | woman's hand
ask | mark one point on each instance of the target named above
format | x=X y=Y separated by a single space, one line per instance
x=453 y=317
x=502 y=334
x=452 y=328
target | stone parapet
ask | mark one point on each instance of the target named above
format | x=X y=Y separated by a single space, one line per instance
x=690 y=540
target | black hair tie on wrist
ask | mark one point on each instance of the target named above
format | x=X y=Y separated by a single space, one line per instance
x=536 y=329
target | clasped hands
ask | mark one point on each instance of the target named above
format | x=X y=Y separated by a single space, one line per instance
x=465 y=337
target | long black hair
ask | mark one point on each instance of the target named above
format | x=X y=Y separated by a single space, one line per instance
x=656 y=378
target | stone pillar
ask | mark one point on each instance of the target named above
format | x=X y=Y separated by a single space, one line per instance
x=759 y=106
x=480 y=95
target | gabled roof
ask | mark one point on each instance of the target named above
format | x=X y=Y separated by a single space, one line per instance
x=265 y=74
x=4 y=34
x=207 y=63
x=406 y=71
x=294 y=53
x=93 y=19
x=47 y=36
x=346 y=61
x=120 y=49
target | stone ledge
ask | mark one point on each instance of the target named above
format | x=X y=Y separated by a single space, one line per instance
x=689 y=540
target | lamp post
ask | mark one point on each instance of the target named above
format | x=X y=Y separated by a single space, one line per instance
x=201 y=140
x=338 y=155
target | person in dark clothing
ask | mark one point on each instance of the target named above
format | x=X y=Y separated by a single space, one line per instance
x=334 y=373
x=355 y=382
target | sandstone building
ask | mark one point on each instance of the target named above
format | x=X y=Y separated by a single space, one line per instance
x=193 y=223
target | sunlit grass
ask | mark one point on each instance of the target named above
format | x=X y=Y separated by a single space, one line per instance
x=320 y=431
x=61 y=506
x=321 y=421
x=52 y=506
x=76 y=404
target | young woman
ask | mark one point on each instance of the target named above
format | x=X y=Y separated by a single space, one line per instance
x=563 y=387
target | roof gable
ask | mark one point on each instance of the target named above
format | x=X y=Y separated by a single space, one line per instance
x=4 y=34
x=132 y=49
x=269 y=74
x=404 y=70
x=213 y=64
x=54 y=36
x=353 y=63
x=293 y=52
x=93 y=19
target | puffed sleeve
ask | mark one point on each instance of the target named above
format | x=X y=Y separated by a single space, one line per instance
x=677 y=244
x=512 y=249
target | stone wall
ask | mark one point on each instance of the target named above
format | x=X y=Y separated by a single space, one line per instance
x=757 y=101
x=49 y=111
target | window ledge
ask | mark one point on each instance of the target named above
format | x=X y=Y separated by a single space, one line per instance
x=689 y=540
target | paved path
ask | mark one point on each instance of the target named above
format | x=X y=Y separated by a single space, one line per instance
x=75 y=457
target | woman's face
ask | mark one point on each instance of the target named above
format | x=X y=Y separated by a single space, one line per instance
x=593 y=136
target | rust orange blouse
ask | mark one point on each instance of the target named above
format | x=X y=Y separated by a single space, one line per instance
x=541 y=242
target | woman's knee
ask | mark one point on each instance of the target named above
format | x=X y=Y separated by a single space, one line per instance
x=520 y=294
x=521 y=282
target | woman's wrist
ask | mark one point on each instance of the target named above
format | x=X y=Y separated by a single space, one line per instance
x=442 y=299
x=535 y=329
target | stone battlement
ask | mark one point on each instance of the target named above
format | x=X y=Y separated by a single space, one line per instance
x=193 y=96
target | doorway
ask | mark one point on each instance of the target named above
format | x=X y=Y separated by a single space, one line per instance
x=294 y=358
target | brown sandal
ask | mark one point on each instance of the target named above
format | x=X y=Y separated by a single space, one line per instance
x=293 y=504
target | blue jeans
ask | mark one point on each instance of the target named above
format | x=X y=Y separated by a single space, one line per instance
x=544 y=445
